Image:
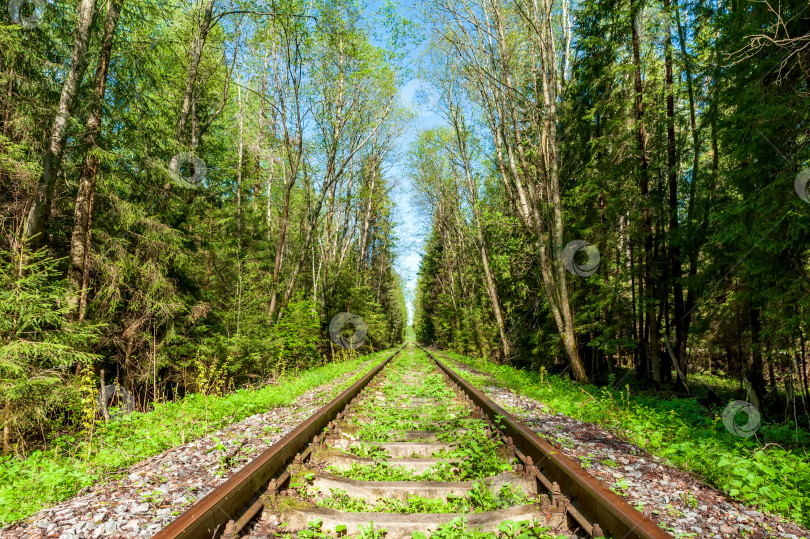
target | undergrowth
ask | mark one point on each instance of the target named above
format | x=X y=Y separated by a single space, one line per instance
x=71 y=463
x=769 y=470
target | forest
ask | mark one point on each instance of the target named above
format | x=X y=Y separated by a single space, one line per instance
x=615 y=193
x=189 y=194
x=621 y=187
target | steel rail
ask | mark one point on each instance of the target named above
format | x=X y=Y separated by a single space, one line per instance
x=208 y=517
x=614 y=515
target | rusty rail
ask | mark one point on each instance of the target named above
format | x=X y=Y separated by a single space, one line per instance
x=599 y=504
x=208 y=517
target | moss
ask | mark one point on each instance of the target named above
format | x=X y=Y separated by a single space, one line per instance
x=284 y=505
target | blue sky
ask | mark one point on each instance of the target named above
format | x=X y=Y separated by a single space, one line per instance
x=411 y=224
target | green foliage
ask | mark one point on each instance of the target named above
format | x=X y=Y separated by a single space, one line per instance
x=183 y=290
x=368 y=451
x=72 y=462
x=316 y=531
x=680 y=142
x=479 y=499
x=763 y=471
x=39 y=348
x=457 y=529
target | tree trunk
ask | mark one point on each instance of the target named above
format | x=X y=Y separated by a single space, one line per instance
x=269 y=209
x=7 y=112
x=549 y=85
x=803 y=366
x=239 y=262
x=649 y=257
x=544 y=182
x=308 y=233
x=690 y=296
x=80 y=240
x=676 y=270
x=282 y=235
x=7 y=428
x=327 y=250
x=460 y=130
x=366 y=224
x=753 y=371
x=203 y=27
x=54 y=150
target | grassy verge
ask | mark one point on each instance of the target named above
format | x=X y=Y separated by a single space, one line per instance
x=770 y=470
x=73 y=462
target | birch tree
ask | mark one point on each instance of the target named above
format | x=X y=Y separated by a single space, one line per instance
x=516 y=87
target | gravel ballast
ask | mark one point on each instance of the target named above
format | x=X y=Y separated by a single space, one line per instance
x=156 y=490
x=680 y=503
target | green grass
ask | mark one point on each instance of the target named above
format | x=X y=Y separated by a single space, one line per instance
x=508 y=529
x=72 y=463
x=455 y=529
x=473 y=455
x=770 y=471
x=411 y=376
x=479 y=499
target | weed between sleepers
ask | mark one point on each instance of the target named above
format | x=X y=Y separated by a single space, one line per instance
x=479 y=499
x=473 y=456
x=455 y=529
x=368 y=451
x=397 y=403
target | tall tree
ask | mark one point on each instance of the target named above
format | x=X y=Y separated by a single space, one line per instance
x=78 y=269
x=40 y=207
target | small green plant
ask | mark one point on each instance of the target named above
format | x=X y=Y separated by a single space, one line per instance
x=212 y=376
x=314 y=531
x=368 y=451
x=673 y=511
x=49 y=476
x=689 y=500
x=368 y=532
x=769 y=470
x=457 y=529
x=620 y=486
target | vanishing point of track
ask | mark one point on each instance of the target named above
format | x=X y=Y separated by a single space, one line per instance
x=411 y=447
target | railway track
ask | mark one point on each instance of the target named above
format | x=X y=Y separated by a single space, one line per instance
x=411 y=448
